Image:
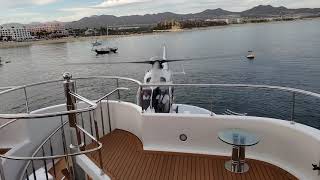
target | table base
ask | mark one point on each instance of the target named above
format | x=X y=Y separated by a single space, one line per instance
x=236 y=167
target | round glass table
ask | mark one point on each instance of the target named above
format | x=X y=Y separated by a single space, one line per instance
x=239 y=139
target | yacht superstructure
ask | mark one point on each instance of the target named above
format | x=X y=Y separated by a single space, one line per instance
x=109 y=137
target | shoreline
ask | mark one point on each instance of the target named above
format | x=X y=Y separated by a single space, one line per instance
x=14 y=44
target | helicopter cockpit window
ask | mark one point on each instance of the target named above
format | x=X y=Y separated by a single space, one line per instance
x=148 y=79
x=162 y=79
x=161 y=100
x=146 y=98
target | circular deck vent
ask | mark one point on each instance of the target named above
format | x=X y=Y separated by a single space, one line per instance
x=183 y=137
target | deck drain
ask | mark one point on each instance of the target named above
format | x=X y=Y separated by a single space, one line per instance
x=183 y=137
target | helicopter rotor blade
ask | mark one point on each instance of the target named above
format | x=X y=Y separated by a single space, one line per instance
x=159 y=60
x=200 y=58
x=123 y=62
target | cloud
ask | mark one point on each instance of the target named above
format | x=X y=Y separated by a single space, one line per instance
x=104 y=5
x=79 y=12
x=11 y=4
x=68 y=10
x=43 y=2
x=113 y=3
x=75 y=9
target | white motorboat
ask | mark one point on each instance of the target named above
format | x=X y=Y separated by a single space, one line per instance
x=250 y=55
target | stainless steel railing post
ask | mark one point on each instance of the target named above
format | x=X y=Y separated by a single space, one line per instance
x=2 y=177
x=119 y=97
x=109 y=119
x=75 y=136
x=293 y=107
x=211 y=113
x=26 y=98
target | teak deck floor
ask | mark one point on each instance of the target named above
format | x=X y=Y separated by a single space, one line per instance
x=125 y=159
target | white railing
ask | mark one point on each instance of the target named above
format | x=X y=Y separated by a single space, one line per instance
x=44 y=152
x=91 y=110
x=292 y=92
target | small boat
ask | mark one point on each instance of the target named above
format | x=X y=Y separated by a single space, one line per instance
x=114 y=50
x=96 y=43
x=100 y=48
x=106 y=50
x=250 y=55
x=102 y=51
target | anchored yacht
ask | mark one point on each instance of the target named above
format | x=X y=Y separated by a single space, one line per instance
x=110 y=137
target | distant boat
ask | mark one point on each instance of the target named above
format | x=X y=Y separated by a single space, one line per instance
x=105 y=50
x=99 y=48
x=1 y=62
x=250 y=55
x=102 y=49
x=96 y=43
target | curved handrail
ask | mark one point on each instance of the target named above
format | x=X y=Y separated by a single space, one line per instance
x=16 y=117
x=32 y=158
x=8 y=87
x=288 y=89
x=41 y=145
x=29 y=116
x=92 y=106
x=110 y=93
x=56 y=156
x=13 y=88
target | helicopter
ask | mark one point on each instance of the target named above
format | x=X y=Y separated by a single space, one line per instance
x=153 y=98
x=158 y=98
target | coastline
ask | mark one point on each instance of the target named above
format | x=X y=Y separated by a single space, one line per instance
x=13 y=44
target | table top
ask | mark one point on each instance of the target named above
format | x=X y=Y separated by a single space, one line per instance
x=238 y=137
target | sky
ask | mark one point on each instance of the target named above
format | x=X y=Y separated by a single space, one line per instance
x=26 y=11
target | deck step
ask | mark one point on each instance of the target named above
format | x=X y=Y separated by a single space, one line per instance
x=60 y=171
x=67 y=175
x=4 y=150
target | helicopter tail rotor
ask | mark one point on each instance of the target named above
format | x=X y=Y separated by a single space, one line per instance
x=164 y=55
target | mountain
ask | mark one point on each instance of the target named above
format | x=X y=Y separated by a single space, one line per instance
x=214 y=12
x=103 y=20
x=265 y=11
x=258 y=11
x=269 y=11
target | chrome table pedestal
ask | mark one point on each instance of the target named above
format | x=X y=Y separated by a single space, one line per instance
x=237 y=163
x=239 y=139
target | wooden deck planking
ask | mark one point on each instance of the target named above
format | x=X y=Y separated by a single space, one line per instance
x=125 y=159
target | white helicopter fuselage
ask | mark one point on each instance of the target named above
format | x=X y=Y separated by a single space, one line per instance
x=153 y=98
x=157 y=93
x=157 y=98
x=158 y=75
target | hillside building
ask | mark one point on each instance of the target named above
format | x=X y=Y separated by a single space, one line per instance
x=14 y=32
x=55 y=28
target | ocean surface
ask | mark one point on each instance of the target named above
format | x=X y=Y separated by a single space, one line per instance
x=287 y=54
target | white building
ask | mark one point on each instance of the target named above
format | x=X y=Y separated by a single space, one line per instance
x=51 y=27
x=15 y=32
x=90 y=32
x=218 y=20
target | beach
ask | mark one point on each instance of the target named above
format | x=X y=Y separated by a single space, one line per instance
x=14 y=44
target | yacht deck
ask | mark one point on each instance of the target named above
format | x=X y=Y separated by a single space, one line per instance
x=125 y=159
